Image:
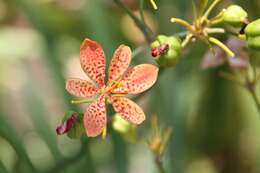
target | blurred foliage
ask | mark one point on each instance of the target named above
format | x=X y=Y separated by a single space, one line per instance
x=215 y=123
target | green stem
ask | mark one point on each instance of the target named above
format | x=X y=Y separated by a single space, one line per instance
x=141 y=7
x=211 y=7
x=251 y=86
x=217 y=19
x=149 y=36
x=159 y=164
x=256 y=100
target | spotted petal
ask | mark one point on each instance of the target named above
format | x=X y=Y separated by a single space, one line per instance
x=138 y=79
x=81 y=88
x=128 y=109
x=120 y=62
x=95 y=117
x=92 y=59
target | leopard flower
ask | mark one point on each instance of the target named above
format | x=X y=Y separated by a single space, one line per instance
x=122 y=80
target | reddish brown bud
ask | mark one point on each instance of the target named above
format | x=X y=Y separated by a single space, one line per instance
x=67 y=124
x=163 y=48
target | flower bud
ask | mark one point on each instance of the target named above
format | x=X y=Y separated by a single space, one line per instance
x=166 y=50
x=252 y=32
x=253 y=29
x=254 y=42
x=234 y=15
x=126 y=129
x=120 y=125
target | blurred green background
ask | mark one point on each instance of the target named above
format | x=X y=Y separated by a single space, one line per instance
x=215 y=123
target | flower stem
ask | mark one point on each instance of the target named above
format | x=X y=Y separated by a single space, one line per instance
x=211 y=7
x=251 y=87
x=256 y=100
x=141 y=8
x=217 y=19
x=141 y=25
x=159 y=164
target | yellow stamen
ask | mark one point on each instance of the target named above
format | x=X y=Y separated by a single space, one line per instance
x=80 y=101
x=104 y=133
x=182 y=23
x=187 y=40
x=154 y=4
x=217 y=19
x=211 y=7
x=222 y=46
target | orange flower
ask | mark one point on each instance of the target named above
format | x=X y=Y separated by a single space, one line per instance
x=121 y=81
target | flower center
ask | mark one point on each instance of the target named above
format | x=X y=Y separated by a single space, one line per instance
x=111 y=85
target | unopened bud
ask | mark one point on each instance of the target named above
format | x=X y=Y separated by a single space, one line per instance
x=67 y=125
x=166 y=50
x=253 y=29
x=120 y=125
x=252 y=32
x=235 y=15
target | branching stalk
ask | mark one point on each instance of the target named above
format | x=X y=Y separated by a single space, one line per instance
x=211 y=7
x=141 y=25
x=256 y=100
x=159 y=164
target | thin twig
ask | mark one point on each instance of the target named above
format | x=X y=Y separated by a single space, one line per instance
x=211 y=7
x=141 y=8
x=159 y=164
x=256 y=100
x=144 y=28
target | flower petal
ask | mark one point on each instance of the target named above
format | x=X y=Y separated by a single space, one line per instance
x=120 y=62
x=128 y=109
x=81 y=88
x=92 y=59
x=95 y=117
x=138 y=79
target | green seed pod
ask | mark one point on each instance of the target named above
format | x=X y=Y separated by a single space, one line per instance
x=162 y=38
x=254 y=42
x=155 y=44
x=253 y=29
x=126 y=129
x=166 y=50
x=174 y=43
x=120 y=125
x=169 y=59
x=234 y=15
